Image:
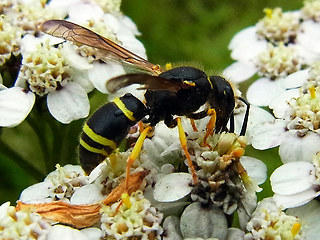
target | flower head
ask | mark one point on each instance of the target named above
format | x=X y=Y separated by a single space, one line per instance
x=311 y=10
x=269 y=222
x=278 y=26
x=21 y=224
x=141 y=220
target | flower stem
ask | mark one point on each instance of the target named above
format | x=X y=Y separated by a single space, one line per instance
x=6 y=150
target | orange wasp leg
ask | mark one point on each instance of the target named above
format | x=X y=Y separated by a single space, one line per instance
x=193 y=124
x=183 y=141
x=210 y=126
x=133 y=156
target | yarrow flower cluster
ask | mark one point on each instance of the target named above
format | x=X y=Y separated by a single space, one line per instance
x=173 y=190
x=227 y=183
x=51 y=68
x=277 y=46
x=269 y=222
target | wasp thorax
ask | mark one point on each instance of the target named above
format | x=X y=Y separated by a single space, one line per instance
x=44 y=69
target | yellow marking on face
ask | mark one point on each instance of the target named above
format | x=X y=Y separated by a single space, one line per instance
x=209 y=80
x=98 y=138
x=189 y=83
x=124 y=109
x=93 y=149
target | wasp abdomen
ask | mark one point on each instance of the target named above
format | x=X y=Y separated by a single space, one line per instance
x=106 y=128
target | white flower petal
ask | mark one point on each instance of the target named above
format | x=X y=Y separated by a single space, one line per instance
x=130 y=24
x=92 y=233
x=65 y=233
x=173 y=187
x=4 y=207
x=307 y=57
x=69 y=103
x=309 y=36
x=81 y=13
x=235 y=234
x=15 y=105
x=295 y=200
x=296 y=79
x=36 y=192
x=29 y=43
x=239 y=71
x=309 y=213
x=200 y=222
x=255 y=168
x=82 y=78
x=101 y=72
x=257 y=116
x=248 y=50
x=262 y=91
x=62 y=6
x=171 y=226
x=292 y=178
x=294 y=148
x=74 y=59
x=87 y=194
x=280 y=104
x=268 y=134
x=134 y=45
x=243 y=36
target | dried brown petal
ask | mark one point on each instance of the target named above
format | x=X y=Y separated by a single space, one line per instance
x=79 y=216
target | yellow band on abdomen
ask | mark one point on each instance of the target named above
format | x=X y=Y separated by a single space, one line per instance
x=124 y=109
x=93 y=149
x=98 y=138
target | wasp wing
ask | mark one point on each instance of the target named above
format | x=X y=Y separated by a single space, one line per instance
x=148 y=82
x=83 y=36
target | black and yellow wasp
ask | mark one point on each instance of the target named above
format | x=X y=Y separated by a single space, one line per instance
x=176 y=92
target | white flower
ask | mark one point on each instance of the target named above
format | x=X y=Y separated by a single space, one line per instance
x=296 y=183
x=197 y=222
x=250 y=46
x=297 y=129
x=15 y=104
x=63 y=74
x=269 y=222
x=118 y=28
x=45 y=71
x=66 y=233
x=309 y=215
x=140 y=220
x=311 y=10
x=58 y=185
x=307 y=39
x=21 y=224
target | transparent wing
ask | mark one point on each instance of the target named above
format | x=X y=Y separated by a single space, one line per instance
x=83 y=36
x=146 y=81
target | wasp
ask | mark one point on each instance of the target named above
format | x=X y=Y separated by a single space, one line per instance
x=180 y=91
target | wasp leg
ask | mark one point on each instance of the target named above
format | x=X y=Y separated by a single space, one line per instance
x=197 y=115
x=133 y=156
x=246 y=116
x=193 y=124
x=231 y=128
x=183 y=141
x=210 y=126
